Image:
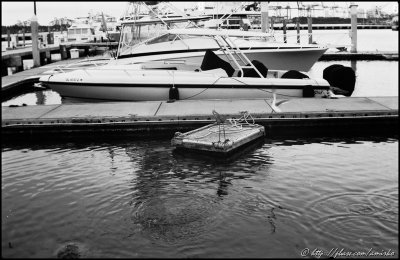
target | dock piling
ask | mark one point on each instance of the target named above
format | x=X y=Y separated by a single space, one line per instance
x=309 y=20
x=23 y=36
x=8 y=38
x=63 y=52
x=284 y=31
x=353 y=12
x=17 y=40
x=272 y=23
x=298 y=30
x=35 y=43
x=264 y=17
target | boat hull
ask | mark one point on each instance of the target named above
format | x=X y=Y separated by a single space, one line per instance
x=162 y=92
x=134 y=84
x=273 y=59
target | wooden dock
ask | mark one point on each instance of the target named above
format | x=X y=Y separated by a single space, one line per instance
x=23 y=81
x=297 y=117
x=14 y=58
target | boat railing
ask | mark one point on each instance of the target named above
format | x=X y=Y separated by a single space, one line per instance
x=228 y=15
x=230 y=49
x=162 y=20
x=123 y=43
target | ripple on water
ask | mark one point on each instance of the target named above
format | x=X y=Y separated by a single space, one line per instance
x=354 y=217
x=175 y=217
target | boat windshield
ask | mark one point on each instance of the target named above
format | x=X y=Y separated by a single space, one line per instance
x=168 y=37
x=134 y=35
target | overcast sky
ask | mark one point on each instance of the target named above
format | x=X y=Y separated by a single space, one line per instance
x=11 y=12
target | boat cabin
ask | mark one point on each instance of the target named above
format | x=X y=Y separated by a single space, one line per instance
x=80 y=33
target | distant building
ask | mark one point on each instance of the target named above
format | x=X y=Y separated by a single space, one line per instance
x=375 y=12
x=361 y=13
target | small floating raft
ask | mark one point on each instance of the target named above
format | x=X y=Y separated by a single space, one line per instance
x=220 y=138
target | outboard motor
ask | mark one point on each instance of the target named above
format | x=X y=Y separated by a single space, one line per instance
x=341 y=78
x=294 y=74
x=212 y=61
x=327 y=71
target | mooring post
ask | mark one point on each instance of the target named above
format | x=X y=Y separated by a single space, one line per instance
x=23 y=36
x=297 y=23
x=48 y=38
x=298 y=30
x=284 y=31
x=264 y=17
x=17 y=39
x=272 y=23
x=63 y=51
x=353 y=65
x=309 y=20
x=353 y=13
x=35 y=43
x=8 y=38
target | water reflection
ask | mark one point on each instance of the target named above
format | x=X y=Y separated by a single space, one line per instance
x=353 y=65
x=40 y=98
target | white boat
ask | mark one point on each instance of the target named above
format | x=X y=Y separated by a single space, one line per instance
x=190 y=48
x=395 y=23
x=92 y=28
x=213 y=79
x=81 y=32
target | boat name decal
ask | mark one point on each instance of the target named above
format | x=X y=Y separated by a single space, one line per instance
x=74 y=79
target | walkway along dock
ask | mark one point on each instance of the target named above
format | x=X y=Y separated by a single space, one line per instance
x=22 y=82
x=299 y=116
x=14 y=58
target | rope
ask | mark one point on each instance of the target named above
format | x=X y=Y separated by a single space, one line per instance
x=202 y=90
x=263 y=89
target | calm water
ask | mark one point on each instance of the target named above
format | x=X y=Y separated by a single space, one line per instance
x=140 y=199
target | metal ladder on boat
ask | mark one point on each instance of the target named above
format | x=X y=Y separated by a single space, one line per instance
x=234 y=54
